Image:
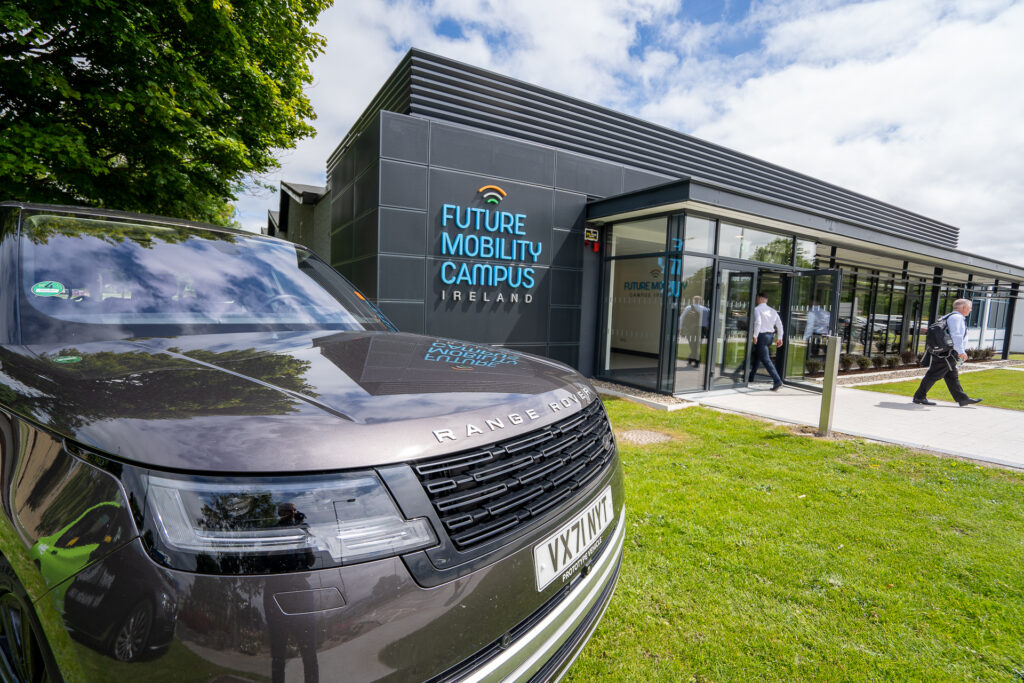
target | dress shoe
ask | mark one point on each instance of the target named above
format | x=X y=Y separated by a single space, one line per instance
x=969 y=402
x=923 y=402
x=776 y=387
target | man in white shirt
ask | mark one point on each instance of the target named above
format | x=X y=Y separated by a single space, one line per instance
x=766 y=324
x=944 y=366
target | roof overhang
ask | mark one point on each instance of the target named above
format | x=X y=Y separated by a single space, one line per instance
x=303 y=194
x=697 y=195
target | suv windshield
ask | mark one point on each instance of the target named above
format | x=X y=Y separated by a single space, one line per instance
x=88 y=279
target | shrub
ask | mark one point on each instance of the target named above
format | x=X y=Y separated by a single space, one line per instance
x=988 y=352
x=846 y=361
x=892 y=361
x=814 y=367
x=878 y=361
x=909 y=357
x=863 y=362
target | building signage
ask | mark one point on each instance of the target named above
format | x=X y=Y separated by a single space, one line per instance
x=496 y=257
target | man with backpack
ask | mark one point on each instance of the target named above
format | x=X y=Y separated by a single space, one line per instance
x=945 y=343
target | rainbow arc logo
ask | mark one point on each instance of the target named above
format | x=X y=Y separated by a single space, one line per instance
x=492 y=194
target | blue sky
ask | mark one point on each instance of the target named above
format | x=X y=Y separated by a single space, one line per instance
x=915 y=102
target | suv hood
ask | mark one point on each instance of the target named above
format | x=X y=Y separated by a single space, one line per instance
x=286 y=402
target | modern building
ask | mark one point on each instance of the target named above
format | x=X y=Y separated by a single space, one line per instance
x=471 y=205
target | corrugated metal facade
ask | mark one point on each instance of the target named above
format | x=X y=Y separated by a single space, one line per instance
x=434 y=87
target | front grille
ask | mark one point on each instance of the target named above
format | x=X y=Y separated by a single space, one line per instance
x=491 y=491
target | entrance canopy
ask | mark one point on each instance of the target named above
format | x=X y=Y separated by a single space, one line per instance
x=683 y=263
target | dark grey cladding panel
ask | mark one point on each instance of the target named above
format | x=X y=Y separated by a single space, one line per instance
x=404 y=137
x=535 y=349
x=570 y=209
x=366 y=191
x=635 y=179
x=490 y=156
x=401 y=277
x=403 y=231
x=565 y=353
x=341 y=244
x=363 y=274
x=488 y=321
x=587 y=175
x=446 y=90
x=364 y=236
x=450 y=187
x=565 y=287
x=341 y=208
x=393 y=97
x=408 y=316
x=364 y=152
x=565 y=326
x=567 y=249
x=403 y=185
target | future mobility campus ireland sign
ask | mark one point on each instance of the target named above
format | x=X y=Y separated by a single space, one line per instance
x=495 y=257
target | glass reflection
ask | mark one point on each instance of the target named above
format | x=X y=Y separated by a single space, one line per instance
x=754 y=245
x=100 y=279
x=632 y=340
x=735 y=297
x=699 y=234
x=694 y=323
x=638 y=237
x=136 y=384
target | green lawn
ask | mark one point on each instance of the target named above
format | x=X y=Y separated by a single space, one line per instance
x=754 y=553
x=999 y=388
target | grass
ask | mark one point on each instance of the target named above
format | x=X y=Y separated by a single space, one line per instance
x=998 y=388
x=754 y=553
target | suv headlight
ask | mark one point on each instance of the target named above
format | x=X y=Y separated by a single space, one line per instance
x=262 y=525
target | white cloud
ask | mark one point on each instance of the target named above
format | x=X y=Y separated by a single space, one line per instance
x=932 y=127
x=915 y=102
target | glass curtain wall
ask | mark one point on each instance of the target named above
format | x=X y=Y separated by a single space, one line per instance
x=882 y=314
x=810 y=322
x=731 y=352
x=661 y=312
x=696 y=289
x=635 y=273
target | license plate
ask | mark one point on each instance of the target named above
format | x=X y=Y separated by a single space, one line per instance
x=563 y=553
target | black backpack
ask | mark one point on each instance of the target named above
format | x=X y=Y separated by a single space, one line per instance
x=938 y=342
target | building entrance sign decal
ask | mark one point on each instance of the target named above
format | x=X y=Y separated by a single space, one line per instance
x=496 y=258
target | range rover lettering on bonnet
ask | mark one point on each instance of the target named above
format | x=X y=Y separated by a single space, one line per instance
x=581 y=398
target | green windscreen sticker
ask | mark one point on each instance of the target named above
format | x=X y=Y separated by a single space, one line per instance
x=48 y=288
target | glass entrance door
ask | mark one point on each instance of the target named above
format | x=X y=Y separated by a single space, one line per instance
x=733 y=310
x=813 y=307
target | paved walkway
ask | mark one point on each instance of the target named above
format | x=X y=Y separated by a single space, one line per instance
x=992 y=435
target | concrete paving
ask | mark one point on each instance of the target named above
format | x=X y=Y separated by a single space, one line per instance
x=992 y=435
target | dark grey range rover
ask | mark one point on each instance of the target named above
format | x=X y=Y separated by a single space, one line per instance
x=220 y=460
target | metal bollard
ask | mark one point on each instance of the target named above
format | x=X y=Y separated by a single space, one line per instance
x=828 y=393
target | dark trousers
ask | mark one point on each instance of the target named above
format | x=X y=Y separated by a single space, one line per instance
x=762 y=354
x=942 y=368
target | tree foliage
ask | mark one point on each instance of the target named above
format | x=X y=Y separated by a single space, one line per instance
x=162 y=107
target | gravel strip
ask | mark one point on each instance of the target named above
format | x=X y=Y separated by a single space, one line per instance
x=642 y=437
x=633 y=392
